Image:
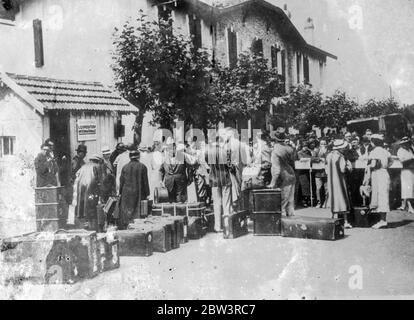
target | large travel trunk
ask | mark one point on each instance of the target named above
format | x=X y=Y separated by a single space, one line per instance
x=83 y=244
x=181 y=227
x=313 y=228
x=161 y=195
x=51 y=216
x=267 y=215
x=135 y=242
x=196 y=209
x=38 y=257
x=174 y=226
x=363 y=217
x=266 y=200
x=197 y=227
x=236 y=226
x=50 y=195
x=267 y=224
x=161 y=233
x=108 y=251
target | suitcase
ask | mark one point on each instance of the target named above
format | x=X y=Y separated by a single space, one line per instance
x=50 y=195
x=313 y=228
x=236 y=225
x=210 y=220
x=173 y=226
x=161 y=234
x=267 y=224
x=108 y=247
x=51 y=216
x=196 y=209
x=135 y=242
x=197 y=228
x=266 y=200
x=38 y=257
x=83 y=244
x=161 y=195
x=181 y=226
x=363 y=217
x=145 y=208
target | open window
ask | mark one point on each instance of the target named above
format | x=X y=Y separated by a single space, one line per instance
x=195 y=30
x=232 y=40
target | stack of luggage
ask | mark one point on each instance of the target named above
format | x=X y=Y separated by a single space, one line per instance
x=61 y=257
x=51 y=208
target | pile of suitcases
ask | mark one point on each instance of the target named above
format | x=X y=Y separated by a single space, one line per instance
x=268 y=220
x=61 y=257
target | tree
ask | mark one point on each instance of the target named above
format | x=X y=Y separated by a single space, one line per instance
x=246 y=88
x=338 y=109
x=375 y=108
x=160 y=71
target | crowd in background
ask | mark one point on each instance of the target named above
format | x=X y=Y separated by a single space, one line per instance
x=221 y=172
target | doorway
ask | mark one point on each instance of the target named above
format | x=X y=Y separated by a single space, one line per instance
x=59 y=133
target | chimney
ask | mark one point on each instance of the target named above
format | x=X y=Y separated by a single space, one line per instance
x=287 y=12
x=310 y=31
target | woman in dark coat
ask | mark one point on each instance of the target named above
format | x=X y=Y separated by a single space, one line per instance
x=134 y=187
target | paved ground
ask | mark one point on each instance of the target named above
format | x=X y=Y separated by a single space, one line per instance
x=259 y=268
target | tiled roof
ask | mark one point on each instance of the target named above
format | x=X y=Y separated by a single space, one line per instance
x=72 y=95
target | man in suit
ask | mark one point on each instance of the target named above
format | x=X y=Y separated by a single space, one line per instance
x=283 y=173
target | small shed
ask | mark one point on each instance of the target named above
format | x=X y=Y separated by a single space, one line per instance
x=69 y=112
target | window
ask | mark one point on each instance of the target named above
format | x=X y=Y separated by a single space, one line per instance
x=7 y=146
x=257 y=47
x=306 y=69
x=274 y=52
x=195 y=31
x=298 y=66
x=38 y=43
x=8 y=9
x=283 y=57
x=232 y=39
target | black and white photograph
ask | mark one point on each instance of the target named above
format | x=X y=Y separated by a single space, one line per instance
x=226 y=150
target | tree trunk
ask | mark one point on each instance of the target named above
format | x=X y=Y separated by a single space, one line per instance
x=138 y=128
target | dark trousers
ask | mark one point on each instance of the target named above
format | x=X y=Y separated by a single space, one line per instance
x=178 y=194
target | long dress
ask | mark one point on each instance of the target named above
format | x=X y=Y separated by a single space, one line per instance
x=380 y=180
x=407 y=173
x=336 y=169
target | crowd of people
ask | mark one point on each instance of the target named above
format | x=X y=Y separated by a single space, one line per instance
x=222 y=171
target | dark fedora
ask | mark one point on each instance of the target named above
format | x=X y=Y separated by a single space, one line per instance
x=278 y=136
x=82 y=148
x=135 y=154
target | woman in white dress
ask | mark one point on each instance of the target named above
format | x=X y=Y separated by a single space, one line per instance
x=406 y=156
x=379 y=160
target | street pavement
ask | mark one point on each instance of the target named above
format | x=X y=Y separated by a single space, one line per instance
x=369 y=264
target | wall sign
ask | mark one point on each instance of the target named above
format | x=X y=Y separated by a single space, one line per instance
x=86 y=129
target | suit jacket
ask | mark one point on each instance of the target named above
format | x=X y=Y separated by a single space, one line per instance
x=216 y=158
x=173 y=172
x=283 y=166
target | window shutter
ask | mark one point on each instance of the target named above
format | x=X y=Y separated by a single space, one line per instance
x=195 y=31
x=274 y=51
x=284 y=64
x=38 y=43
x=306 y=69
x=232 y=39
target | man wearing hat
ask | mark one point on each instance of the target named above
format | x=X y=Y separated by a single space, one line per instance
x=87 y=192
x=121 y=161
x=78 y=160
x=283 y=172
x=133 y=188
x=120 y=148
x=46 y=168
x=337 y=168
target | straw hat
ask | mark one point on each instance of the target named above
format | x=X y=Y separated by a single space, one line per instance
x=106 y=150
x=339 y=144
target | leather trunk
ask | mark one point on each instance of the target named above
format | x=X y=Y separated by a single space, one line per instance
x=210 y=220
x=196 y=209
x=313 y=228
x=267 y=224
x=39 y=258
x=181 y=227
x=50 y=195
x=161 y=234
x=135 y=242
x=196 y=228
x=108 y=248
x=266 y=201
x=363 y=217
x=83 y=244
x=51 y=216
x=173 y=225
x=236 y=226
